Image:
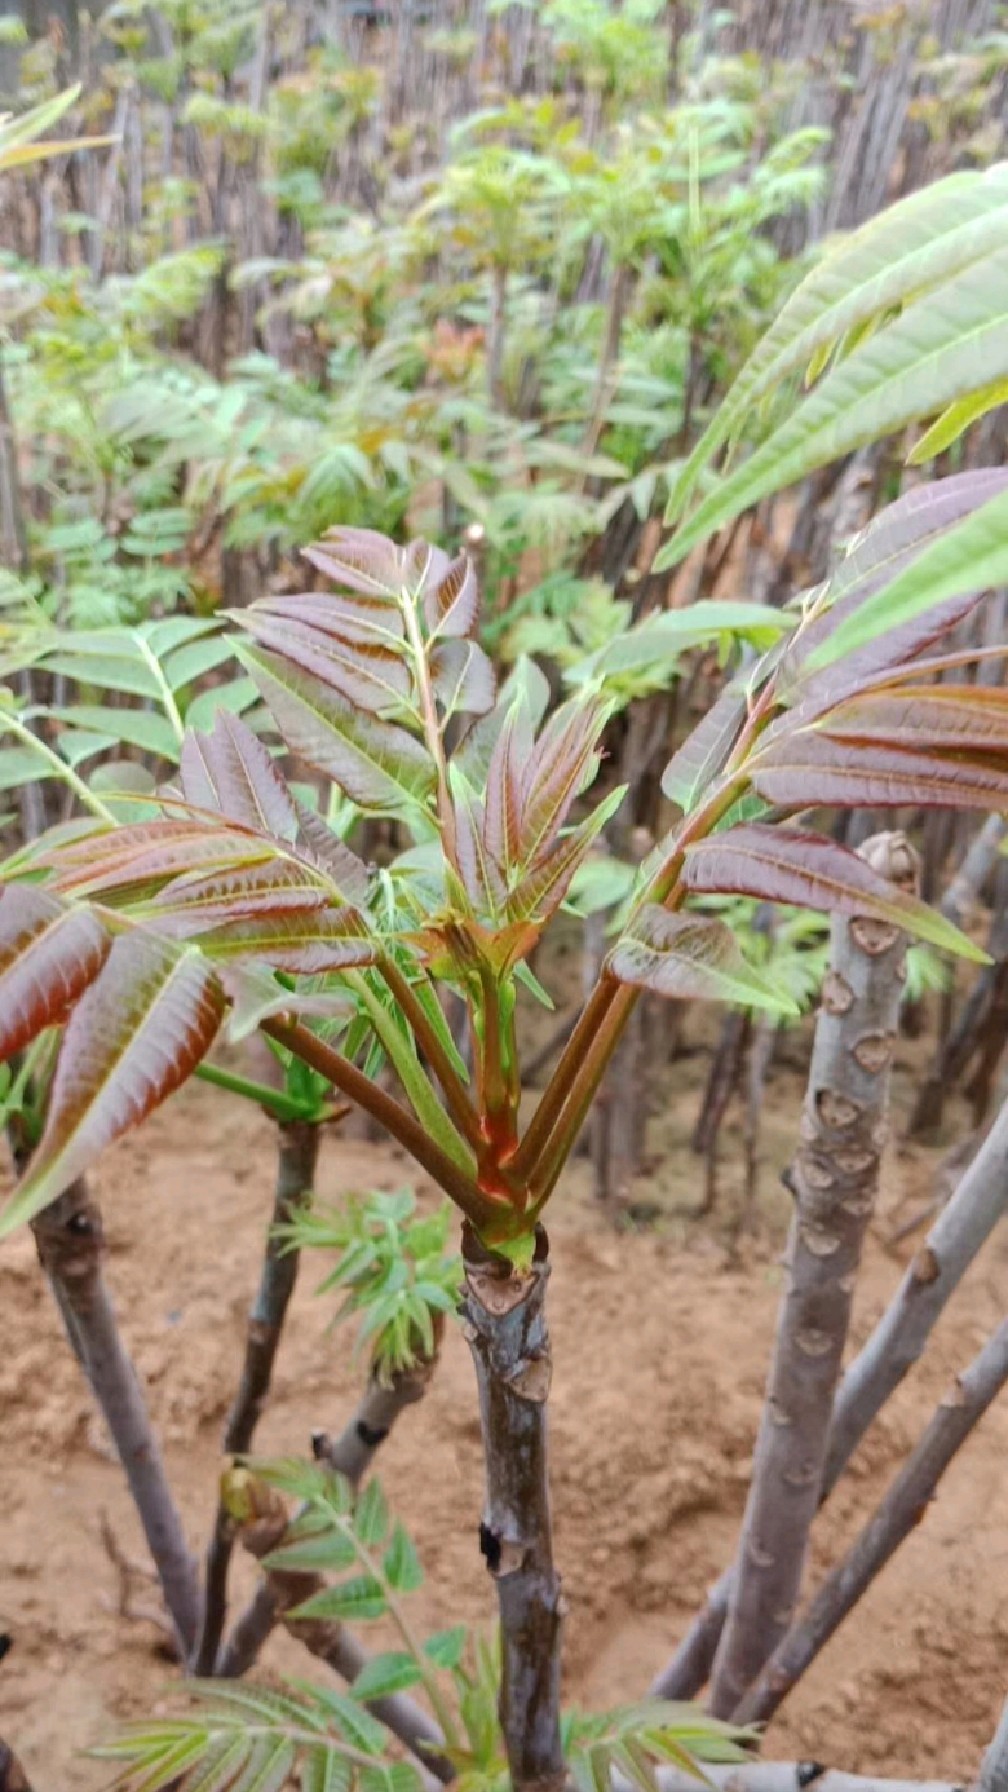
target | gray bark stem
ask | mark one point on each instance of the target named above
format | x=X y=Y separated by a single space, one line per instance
x=70 y=1241
x=786 y=1776
x=297 y=1158
x=835 y=1182
x=350 y=1454
x=13 y=1777
x=903 y=1507
x=993 y=1775
x=898 y=1340
x=505 y=1323
x=957 y=1236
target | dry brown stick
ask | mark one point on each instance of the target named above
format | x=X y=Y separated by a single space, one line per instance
x=505 y=1319
x=70 y=1241
x=725 y=1071
x=903 y=1507
x=297 y=1158
x=351 y=1454
x=128 y=1572
x=760 y=1053
x=835 y=1180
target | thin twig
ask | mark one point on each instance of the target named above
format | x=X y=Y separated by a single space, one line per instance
x=297 y=1157
x=128 y=1572
x=70 y=1241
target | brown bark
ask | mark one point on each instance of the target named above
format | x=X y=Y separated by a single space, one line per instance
x=505 y=1322
x=70 y=1241
x=297 y=1157
x=835 y=1181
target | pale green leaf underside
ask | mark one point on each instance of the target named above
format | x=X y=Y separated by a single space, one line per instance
x=692 y=956
x=971 y=556
x=948 y=345
x=926 y=239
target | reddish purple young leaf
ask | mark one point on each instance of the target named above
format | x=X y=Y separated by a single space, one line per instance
x=502 y=804
x=231 y=770
x=813 y=695
x=362 y=561
x=562 y=762
x=308 y=941
x=134 y=1037
x=890 y=543
x=192 y=904
x=375 y=678
x=377 y=764
x=353 y=622
x=705 y=751
x=423 y=566
x=480 y=875
x=49 y=955
x=319 y=846
x=463 y=678
x=946 y=718
x=451 y=600
x=525 y=687
x=141 y=858
x=544 y=886
x=778 y=864
x=809 y=770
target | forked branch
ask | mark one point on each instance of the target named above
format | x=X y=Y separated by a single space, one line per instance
x=903 y=1507
x=297 y=1158
x=898 y=1340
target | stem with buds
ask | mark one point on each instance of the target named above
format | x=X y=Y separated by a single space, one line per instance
x=835 y=1178
x=297 y=1158
x=505 y=1319
x=350 y=1453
